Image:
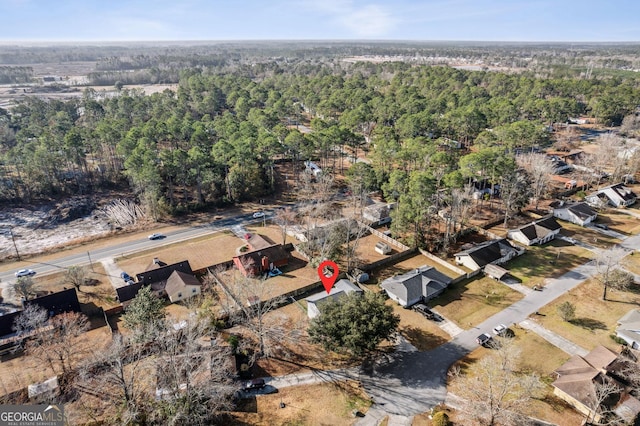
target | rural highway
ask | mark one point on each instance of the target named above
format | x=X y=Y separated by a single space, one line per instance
x=117 y=250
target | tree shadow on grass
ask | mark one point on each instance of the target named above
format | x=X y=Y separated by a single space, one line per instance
x=589 y=323
x=421 y=339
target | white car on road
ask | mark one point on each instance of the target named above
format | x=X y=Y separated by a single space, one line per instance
x=25 y=273
x=257 y=215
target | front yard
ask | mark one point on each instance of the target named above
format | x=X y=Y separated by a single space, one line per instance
x=595 y=319
x=472 y=301
x=548 y=261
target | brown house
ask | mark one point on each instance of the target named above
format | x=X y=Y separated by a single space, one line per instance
x=580 y=377
x=258 y=262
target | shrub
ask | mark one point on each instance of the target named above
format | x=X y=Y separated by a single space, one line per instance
x=440 y=419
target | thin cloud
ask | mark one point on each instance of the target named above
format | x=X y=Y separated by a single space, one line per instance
x=361 y=20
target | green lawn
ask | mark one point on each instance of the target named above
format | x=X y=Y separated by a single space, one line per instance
x=470 y=302
x=548 y=261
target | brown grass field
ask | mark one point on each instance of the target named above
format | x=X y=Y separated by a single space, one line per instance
x=321 y=404
x=548 y=261
x=595 y=319
x=619 y=221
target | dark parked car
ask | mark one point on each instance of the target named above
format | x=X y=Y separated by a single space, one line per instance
x=424 y=310
x=254 y=384
x=126 y=277
x=484 y=339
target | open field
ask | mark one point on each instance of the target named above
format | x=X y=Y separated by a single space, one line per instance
x=595 y=319
x=472 y=301
x=548 y=261
x=321 y=404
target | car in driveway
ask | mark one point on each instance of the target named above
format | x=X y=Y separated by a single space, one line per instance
x=484 y=339
x=25 y=273
x=253 y=384
x=424 y=310
x=155 y=236
x=126 y=277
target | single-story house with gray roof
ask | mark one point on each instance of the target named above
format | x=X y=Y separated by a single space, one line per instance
x=418 y=285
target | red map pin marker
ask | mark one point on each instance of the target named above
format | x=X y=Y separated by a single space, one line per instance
x=327 y=276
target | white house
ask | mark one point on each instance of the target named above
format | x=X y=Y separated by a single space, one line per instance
x=578 y=213
x=496 y=252
x=340 y=288
x=616 y=195
x=415 y=286
x=629 y=328
x=538 y=232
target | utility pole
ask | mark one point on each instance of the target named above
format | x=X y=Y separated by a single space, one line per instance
x=15 y=246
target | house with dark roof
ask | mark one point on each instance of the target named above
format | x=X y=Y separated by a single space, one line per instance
x=578 y=379
x=127 y=293
x=629 y=328
x=579 y=213
x=258 y=262
x=616 y=195
x=418 y=285
x=181 y=286
x=339 y=289
x=156 y=276
x=538 y=232
x=57 y=303
x=494 y=252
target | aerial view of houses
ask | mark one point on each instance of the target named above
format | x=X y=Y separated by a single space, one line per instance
x=344 y=230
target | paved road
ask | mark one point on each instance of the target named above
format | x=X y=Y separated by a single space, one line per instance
x=414 y=382
x=116 y=250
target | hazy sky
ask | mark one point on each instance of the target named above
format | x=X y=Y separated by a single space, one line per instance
x=491 y=20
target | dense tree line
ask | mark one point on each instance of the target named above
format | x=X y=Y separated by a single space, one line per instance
x=216 y=139
x=15 y=75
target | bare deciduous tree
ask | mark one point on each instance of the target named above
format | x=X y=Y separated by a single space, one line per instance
x=24 y=287
x=193 y=374
x=58 y=343
x=608 y=270
x=605 y=392
x=494 y=392
x=539 y=168
x=76 y=275
x=515 y=191
x=284 y=218
x=250 y=304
